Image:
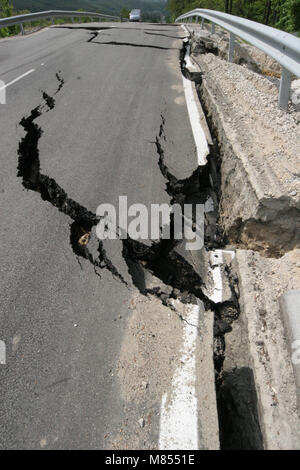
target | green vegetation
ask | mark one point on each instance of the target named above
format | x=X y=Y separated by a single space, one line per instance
x=152 y=10
x=282 y=14
x=125 y=12
x=112 y=7
x=6 y=9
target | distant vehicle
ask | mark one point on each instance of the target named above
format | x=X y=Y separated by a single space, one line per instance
x=135 y=15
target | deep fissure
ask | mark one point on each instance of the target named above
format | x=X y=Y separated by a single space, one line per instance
x=238 y=423
x=129 y=44
x=49 y=190
x=160 y=258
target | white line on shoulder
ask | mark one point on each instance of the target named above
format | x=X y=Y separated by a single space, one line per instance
x=195 y=119
x=179 y=408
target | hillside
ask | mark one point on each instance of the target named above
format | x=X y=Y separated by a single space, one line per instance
x=103 y=6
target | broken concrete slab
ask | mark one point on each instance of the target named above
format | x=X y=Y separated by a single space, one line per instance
x=259 y=157
x=261 y=282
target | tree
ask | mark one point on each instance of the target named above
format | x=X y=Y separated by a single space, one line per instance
x=125 y=12
x=6 y=10
x=267 y=11
x=283 y=14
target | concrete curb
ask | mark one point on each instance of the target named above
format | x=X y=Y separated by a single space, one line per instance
x=290 y=310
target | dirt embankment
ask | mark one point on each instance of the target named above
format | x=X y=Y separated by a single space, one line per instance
x=259 y=154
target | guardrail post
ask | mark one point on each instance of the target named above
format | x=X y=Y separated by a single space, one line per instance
x=213 y=28
x=52 y=19
x=196 y=20
x=72 y=19
x=231 y=47
x=202 y=23
x=22 y=29
x=285 y=88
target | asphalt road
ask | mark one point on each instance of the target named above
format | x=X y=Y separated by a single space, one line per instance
x=64 y=327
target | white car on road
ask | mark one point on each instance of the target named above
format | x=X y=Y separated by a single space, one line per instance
x=135 y=15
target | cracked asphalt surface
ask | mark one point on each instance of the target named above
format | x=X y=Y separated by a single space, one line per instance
x=97 y=133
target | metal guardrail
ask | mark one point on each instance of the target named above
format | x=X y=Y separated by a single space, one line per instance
x=51 y=14
x=281 y=46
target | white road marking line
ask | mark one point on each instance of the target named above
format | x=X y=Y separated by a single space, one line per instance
x=194 y=112
x=179 y=410
x=216 y=259
x=17 y=79
x=195 y=119
x=185 y=29
x=188 y=61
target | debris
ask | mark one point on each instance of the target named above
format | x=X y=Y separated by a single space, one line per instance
x=83 y=241
x=142 y=422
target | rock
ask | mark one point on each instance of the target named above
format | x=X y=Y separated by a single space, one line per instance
x=295 y=85
x=142 y=422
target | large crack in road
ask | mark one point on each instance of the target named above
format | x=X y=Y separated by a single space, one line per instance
x=49 y=190
x=95 y=34
x=161 y=259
